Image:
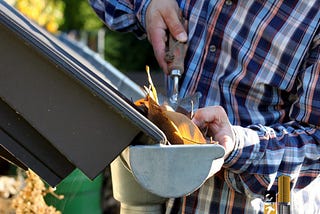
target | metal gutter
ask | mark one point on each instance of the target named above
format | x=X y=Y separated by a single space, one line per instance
x=76 y=114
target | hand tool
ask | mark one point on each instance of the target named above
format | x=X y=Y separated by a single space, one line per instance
x=175 y=54
x=284 y=194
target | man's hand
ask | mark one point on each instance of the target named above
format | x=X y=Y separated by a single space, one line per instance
x=162 y=15
x=215 y=119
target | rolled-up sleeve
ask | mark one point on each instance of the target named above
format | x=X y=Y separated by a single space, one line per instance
x=263 y=153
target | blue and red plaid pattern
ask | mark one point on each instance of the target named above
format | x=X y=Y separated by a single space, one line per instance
x=260 y=60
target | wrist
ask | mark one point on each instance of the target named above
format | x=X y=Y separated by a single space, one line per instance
x=248 y=149
x=232 y=153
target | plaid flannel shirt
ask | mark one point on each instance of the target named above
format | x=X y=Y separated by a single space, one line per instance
x=260 y=60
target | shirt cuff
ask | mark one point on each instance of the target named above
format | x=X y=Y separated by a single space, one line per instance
x=247 y=149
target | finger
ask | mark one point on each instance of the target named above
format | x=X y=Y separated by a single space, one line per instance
x=160 y=17
x=156 y=31
x=176 y=28
x=213 y=117
x=158 y=39
x=205 y=115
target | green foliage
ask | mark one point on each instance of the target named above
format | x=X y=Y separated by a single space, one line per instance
x=123 y=50
x=127 y=53
x=46 y=13
x=79 y=16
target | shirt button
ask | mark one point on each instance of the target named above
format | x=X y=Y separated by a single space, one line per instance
x=212 y=48
x=228 y=2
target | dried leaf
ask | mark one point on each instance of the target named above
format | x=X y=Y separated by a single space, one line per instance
x=178 y=128
x=153 y=89
x=189 y=132
x=159 y=118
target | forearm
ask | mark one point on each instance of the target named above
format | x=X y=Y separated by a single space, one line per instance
x=263 y=153
x=122 y=15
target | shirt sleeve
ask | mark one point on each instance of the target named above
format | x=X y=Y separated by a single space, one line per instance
x=122 y=15
x=293 y=148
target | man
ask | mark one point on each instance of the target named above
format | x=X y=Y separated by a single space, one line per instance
x=257 y=66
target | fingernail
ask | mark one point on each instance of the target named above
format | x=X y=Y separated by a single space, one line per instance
x=182 y=37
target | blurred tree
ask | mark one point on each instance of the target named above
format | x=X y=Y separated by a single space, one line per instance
x=78 y=15
x=124 y=51
x=128 y=53
x=47 y=13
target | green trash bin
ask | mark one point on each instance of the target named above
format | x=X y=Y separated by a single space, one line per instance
x=81 y=195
